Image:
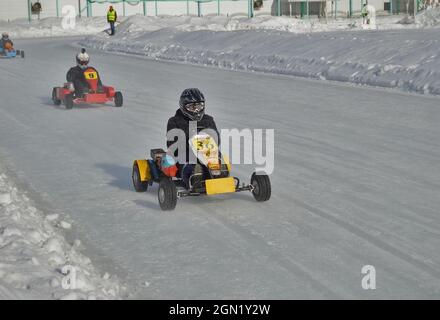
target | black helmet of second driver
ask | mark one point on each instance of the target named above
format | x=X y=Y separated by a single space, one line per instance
x=192 y=104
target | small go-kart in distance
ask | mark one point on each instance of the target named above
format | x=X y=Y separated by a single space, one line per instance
x=94 y=95
x=214 y=179
x=10 y=52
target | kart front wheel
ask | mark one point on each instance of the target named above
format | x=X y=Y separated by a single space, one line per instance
x=139 y=186
x=22 y=54
x=55 y=99
x=261 y=187
x=119 y=100
x=167 y=194
x=68 y=101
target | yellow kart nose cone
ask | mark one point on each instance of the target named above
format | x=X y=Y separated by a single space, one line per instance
x=220 y=185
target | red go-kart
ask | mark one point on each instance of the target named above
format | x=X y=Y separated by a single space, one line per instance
x=95 y=94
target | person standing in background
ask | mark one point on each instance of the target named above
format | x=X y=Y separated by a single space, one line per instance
x=364 y=14
x=112 y=16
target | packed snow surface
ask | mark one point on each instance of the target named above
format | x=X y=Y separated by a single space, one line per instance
x=429 y=17
x=36 y=260
x=355 y=183
x=356 y=180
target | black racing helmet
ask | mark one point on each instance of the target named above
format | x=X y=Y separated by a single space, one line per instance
x=192 y=104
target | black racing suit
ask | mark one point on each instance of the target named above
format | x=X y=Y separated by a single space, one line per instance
x=76 y=76
x=180 y=121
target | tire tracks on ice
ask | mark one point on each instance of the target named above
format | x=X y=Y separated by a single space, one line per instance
x=371 y=239
x=259 y=244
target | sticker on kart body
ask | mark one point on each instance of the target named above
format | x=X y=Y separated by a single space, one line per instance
x=91 y=75
x=205 y=148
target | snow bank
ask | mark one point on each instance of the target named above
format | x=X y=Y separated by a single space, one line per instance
x=429 y=17
x=406 y=59
x=36 y=261
x=52 y=27
x=138 y=23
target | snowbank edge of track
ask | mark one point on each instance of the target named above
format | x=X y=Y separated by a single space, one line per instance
x=406 y=62
x=36 y=260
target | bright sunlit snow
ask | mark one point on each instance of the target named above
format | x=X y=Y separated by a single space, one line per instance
x=356 y=177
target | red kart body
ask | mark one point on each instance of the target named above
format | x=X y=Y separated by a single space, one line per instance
x=95 y=94
x=106 y=95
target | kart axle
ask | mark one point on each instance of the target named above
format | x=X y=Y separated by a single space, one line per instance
x=185 y=193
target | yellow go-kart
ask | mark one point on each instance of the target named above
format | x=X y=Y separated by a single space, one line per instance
x=214 y=178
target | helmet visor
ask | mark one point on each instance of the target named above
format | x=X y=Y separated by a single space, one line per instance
x=195 y=107
x=83 y=62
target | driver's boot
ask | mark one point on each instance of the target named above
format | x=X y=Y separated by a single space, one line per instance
x=197 y=176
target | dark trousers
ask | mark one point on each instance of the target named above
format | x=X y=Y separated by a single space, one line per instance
x=112 y=28
x=187 y=170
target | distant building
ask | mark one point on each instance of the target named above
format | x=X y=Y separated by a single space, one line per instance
x=318 y=8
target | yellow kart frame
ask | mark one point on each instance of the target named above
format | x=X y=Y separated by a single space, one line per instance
x=146 y=172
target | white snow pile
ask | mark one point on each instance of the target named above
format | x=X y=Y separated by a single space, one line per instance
x=52 y=27
x=429 y=17
x=138 y=23
x=406 y=59
x=36 y=261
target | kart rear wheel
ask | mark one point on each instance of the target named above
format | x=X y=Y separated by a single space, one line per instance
x=22 y=54
x=68 y=101
x=55 y=99
x=167 y=194
x=139 y=186
x=262 y=188
x=119 y=100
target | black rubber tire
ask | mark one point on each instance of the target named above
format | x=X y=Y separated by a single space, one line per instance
x=119 y=99
x=262 y=188
x=22 y=54
x=167 y=194
x=139 y=185
x=68 y=101
x=55 y=100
